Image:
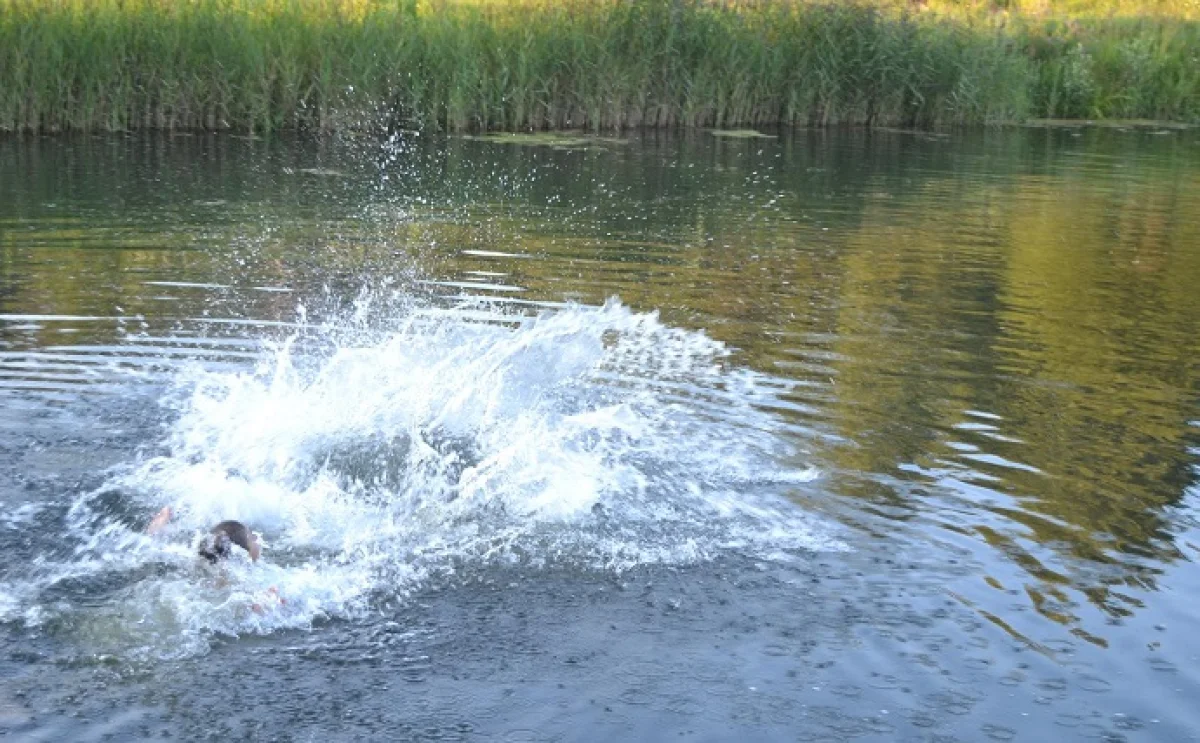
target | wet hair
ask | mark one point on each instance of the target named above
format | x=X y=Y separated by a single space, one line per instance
x=216 y=546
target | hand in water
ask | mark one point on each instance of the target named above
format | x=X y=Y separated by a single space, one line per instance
x=159 y=522
x=273 y=598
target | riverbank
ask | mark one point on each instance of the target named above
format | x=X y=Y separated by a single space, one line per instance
x=262 y=65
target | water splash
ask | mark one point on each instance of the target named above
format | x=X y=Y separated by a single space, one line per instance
x=372 y=458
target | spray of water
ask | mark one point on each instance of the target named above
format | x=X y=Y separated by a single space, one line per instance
x=451 y=440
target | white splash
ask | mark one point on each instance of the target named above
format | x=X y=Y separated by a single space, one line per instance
x=595 y=437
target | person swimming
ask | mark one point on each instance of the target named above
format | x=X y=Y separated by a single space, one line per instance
x=218 y=544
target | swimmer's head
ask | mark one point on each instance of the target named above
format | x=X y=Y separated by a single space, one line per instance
x=218 y=544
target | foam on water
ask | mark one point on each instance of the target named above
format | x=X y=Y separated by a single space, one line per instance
x=372 y=459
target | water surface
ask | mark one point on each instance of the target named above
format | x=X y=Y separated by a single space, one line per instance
x=825 y=436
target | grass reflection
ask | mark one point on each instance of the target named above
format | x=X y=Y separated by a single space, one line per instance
x=992 y=335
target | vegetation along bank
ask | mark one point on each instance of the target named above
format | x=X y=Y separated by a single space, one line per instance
x=458 y=65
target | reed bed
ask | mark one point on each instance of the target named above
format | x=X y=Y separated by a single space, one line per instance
x=267 y=65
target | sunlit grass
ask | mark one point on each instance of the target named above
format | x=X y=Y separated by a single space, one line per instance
x=458 y=65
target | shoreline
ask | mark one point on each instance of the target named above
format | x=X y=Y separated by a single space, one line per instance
x=544 y=137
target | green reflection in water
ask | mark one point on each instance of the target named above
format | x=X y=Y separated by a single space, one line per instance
x=993 y=336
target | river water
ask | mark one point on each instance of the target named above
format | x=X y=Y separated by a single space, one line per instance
x=817 y=436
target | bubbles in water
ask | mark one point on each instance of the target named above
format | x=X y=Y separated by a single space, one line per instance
x=370 y=459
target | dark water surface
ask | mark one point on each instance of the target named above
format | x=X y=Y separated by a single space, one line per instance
x=909 y=451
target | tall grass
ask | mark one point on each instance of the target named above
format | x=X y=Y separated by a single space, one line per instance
x=265 y=65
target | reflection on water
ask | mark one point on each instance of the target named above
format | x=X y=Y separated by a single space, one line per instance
x=990 y=340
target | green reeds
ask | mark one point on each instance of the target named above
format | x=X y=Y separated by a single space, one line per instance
x=264 y=65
